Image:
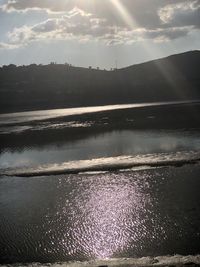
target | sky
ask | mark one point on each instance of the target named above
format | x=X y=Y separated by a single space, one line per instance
x=97 y=33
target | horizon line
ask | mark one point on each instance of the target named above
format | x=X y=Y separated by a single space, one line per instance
x=96 y=68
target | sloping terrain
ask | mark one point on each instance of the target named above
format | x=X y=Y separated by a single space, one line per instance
x=57 y=86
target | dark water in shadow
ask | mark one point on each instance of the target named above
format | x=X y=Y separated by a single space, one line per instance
x=81 y=217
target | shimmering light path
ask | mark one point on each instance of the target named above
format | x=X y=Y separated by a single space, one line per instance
x=83 y=217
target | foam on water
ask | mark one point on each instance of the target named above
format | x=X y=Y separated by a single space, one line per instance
x=175 y=260
x=107 y=164
x=16 y=129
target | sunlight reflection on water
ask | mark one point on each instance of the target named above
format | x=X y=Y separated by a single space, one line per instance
x=90 y=216
x=39 y=115
x=108 y=215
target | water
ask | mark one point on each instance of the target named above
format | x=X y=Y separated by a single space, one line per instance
x=128 y=198
x=116 y=148
x=97 y=216
x=29 y=116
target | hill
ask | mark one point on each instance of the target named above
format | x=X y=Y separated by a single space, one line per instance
x=35 y=87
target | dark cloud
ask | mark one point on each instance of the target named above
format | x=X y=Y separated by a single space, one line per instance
x=182 y=14
x=143 y=11
x=112 y=21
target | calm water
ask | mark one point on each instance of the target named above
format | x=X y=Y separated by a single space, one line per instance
x=138 y=146
x=82 y=217
x=139 y=212
x=29 y=116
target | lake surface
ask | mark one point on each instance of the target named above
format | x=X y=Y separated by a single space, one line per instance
x=135 y=192
x=97 y=216
x=116 y=147
x=29 y=116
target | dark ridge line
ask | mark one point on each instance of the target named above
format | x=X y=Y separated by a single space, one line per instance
x=196 y=51
x=101 y=69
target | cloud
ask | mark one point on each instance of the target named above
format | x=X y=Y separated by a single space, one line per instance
x=167 y=34
x=143 y=11
x=186 y=13
x=84 y=27
x=76 y=24
x=94 y=20
x=8 y=46
x=50 y=6
x=25 y=6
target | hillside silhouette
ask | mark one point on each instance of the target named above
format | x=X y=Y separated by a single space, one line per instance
x=35 y=87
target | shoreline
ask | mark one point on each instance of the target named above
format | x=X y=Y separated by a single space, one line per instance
x=77 y=127
x=163 y=261
x=68 y=168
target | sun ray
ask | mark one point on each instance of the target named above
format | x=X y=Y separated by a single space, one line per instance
x=133 y=25
x=129 y=20
x=126 y=16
